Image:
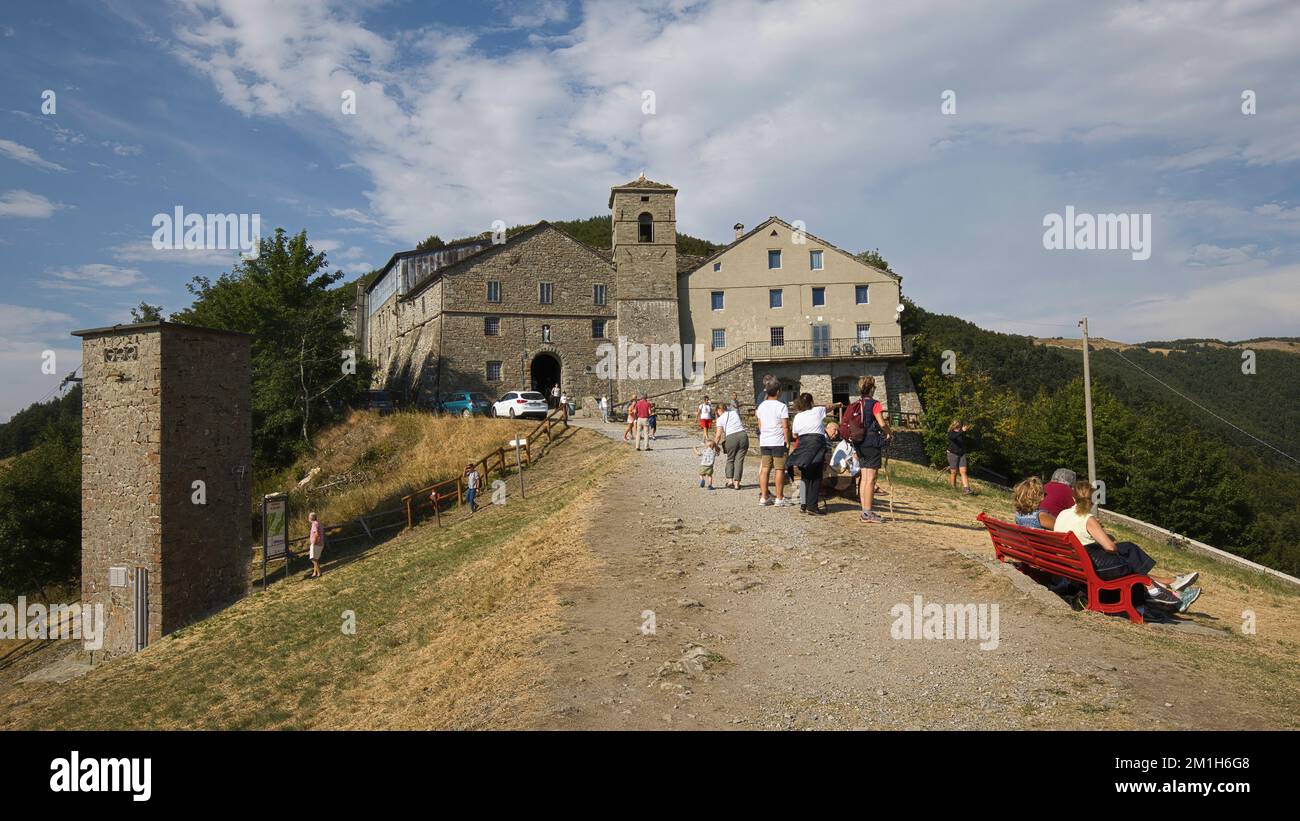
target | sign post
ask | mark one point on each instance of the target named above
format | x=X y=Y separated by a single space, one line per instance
x=275 y=531
x=519 y=462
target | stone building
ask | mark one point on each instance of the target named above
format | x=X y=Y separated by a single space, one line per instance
x=541 y=308
x=165 y=407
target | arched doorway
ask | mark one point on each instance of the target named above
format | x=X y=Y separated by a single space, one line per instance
x=545 y=372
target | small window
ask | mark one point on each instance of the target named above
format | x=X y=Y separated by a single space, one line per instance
x=546 y=333
x=715 y=299
x=774 y=298
x=598 y=294
x=645 y=198
x=598 y=328
x=815 y=260
x=773 y=260
x=717 y=266
x=778 y=337
x=819 y=297
x=719 y=338
x=492 y=326
x=494 y=290
x=864 y=331
x=494 y=371
x=861 y=294
x=645 y=229
x=545 y=292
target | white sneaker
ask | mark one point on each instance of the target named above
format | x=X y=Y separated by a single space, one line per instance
x=1184 y=580
x=762 y=501
x=783 y=502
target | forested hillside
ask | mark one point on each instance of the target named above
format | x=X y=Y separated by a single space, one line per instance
x=1161 y=458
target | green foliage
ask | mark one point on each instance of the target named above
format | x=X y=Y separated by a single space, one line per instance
x=284 y=299
x=874 y=258
x=431 y=243
x=25 y=427
x=144 y=312
x=1162 y=459
x=40 y=512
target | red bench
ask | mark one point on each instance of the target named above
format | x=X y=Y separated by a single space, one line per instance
x=1061 y=554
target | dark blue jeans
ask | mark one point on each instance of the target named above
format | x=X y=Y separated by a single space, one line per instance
x=469 y=497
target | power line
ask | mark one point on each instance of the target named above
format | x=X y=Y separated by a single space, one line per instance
x=1202 y=407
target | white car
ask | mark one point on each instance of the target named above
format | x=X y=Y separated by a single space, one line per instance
x=521 y=403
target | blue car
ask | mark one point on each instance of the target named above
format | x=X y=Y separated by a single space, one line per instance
x=466 y=403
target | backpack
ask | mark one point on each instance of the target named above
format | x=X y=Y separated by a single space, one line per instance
x=859 y=424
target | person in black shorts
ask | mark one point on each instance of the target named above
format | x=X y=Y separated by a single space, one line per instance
x=871 y=448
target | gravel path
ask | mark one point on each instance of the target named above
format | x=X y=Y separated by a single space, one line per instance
x=767 y=618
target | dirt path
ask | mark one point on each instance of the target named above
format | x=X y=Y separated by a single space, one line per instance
x=765 y=618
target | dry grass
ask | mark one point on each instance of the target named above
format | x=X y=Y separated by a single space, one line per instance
x=368 y=462
x=448 y=625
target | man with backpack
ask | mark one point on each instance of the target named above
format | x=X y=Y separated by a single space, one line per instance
x=864 y=425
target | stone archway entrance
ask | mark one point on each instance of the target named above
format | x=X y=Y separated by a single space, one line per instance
x=545 y=372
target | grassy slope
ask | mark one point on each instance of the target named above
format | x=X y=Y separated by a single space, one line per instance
x=448 y=622
x=1267 y=661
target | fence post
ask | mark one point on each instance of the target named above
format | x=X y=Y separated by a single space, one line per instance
x=437 y=514
x=410 y=522
x=528 y=451
x=459 y=492
x=501 y=457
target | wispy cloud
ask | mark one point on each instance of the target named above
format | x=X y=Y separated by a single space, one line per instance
x=19 y=203
x=27 y=156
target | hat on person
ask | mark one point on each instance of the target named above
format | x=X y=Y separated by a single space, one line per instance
x=1064 y=475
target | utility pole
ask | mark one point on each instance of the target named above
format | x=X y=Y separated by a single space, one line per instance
x=1087 y=407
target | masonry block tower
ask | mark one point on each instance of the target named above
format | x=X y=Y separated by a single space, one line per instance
x=166 y=476
x=645 y=274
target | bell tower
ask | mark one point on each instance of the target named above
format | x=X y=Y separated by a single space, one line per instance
x=644 y=217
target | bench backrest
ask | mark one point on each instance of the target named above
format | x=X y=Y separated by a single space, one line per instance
x=1059 y=553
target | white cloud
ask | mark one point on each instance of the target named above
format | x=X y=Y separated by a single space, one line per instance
x=27 y=156
x=25 y=335
x=93 y=276
x=143 y=251
x=19 y=203
x=810 y=110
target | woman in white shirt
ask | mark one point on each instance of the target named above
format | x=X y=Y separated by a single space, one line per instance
x=734 y=441
x=1111 y=559
x=810 y=451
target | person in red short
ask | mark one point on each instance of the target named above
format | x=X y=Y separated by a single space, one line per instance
x=706 y=419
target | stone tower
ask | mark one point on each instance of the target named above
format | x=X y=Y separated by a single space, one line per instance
x=166 y=476
x=645 y=273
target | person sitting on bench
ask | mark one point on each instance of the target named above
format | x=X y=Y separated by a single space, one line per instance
x=1111 y=559
x=1027 y=497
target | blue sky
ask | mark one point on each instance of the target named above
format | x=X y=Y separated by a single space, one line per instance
x=817 y=111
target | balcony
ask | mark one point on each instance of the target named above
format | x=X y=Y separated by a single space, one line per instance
x=876 y=347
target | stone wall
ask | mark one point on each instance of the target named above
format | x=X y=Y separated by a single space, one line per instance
x=164 y=406
x=207 y=436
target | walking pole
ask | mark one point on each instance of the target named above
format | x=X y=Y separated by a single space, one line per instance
x=889 y=474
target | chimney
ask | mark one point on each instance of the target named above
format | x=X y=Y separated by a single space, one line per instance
x=740 y=229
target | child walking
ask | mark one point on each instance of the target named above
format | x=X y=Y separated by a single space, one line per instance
x=315 y=544
x=472 y=480
x=708 y=453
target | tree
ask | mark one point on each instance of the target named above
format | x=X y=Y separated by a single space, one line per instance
x=40 y=512
x=873 y=258
x=431 y=243
x=305 y=367
x=145 y=312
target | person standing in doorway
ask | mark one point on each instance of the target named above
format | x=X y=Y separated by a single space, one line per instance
x=957 y=455
x=555 y=395
x=315 y=544
x=564 y=402
x=773 y=441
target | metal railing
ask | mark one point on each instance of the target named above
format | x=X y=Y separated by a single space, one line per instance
x=850 y=348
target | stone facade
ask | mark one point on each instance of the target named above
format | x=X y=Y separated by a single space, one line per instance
x=164 y=406
x=428 y=332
